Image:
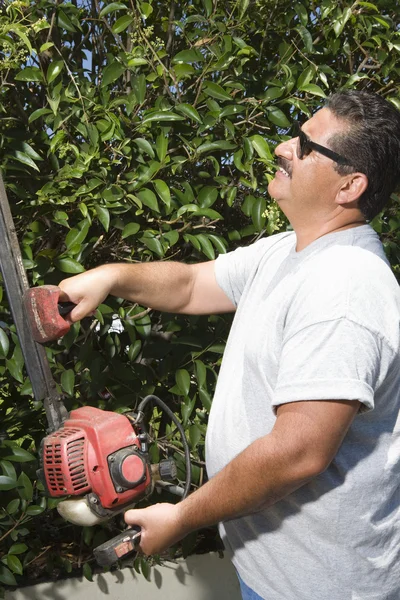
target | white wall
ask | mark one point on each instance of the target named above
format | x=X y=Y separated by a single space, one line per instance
x=200 y=577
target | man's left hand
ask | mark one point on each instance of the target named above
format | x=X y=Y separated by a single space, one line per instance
x=160 y=524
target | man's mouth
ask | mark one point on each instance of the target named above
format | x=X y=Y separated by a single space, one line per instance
x=284 y=167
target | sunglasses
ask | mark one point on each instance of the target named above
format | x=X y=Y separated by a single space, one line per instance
x=305 y=146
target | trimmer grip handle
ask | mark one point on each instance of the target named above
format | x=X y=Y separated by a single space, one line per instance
x=118 y=547
x=64 y=308
x=45 y=313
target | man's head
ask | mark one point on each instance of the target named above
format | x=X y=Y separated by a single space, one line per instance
x=345 y=161
x=372 y=144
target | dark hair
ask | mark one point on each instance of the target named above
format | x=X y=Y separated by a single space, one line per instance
x=372 y=144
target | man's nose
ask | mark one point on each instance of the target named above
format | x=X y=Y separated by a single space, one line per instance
x=286 y=148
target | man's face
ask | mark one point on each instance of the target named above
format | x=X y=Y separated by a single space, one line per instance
x=303 y=187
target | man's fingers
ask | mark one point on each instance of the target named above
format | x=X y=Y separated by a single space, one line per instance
x=134 y=517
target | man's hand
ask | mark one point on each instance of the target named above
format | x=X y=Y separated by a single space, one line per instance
x=160 y=524
x=87 y=291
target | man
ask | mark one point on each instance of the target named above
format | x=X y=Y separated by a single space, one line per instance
x=303 y=439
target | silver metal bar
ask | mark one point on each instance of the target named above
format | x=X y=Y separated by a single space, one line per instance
x=16 y=283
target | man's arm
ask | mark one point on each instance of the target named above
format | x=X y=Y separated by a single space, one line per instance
x=304 y=441
x=166 y=286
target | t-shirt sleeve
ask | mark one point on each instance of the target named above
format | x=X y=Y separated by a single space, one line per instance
x=234 y=269
x=332 y=360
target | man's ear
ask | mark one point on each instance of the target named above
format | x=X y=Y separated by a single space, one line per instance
x=352 y=188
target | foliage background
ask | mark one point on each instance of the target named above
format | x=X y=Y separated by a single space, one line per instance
x=136 y=131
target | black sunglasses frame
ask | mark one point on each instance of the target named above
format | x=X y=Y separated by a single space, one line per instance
x=305 y=146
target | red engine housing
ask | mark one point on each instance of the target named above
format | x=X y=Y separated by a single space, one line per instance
x=96 y=451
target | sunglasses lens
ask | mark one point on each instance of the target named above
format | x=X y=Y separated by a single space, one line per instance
x=303 y=147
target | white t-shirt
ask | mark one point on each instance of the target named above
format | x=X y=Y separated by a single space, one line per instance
x=320 y=324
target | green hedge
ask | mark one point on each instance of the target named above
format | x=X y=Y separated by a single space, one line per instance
x=145 y=131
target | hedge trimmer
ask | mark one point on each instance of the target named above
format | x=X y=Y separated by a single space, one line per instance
x=100 y=459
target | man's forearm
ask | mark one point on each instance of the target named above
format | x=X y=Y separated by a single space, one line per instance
x=305 y=438
x=257 y=478
x=165 y=286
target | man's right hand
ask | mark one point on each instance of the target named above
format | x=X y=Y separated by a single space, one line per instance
x=87 y=291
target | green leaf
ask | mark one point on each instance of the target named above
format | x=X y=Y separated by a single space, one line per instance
x=182 y=378
x=201 y=372
x=77 y=236
x=130 y=229
x=207 y=196
x=218 y=242
x=4 y=343
x=122 y=23
x=69 y=265
x=163 y=191
x=187 y=405
x=302 y=13
x=277 y=117
x=19 y=454
x=205 y=399
x=189 y=111
x=15 y=370
x=171 y=236
x=54 y=70
x=368 y=5
x=243 y=5
x=113 y=7
x=25 y=159
x=20 y=33
x=7 y=483
x=206 y=246
x=161 y=116
x=306 y=37
x=34 y=509
x=14 y=564
x=231 y=109
x=305 y=77
x=149 y=199
x=30 y=74
x=261 y=146
x=65 y=22
x=12 y=508
x=68 y=381
x=45 y=47
x=314 y=89
x=153 y=244
x=27 y=149
x=87 y=572
x=188 y=56
x=145 y=146
x=216 y=91
x=111 y=73
x=8 y=469
x=145 y=9
x=103 y=216
x=257 y=210
x=18 y=548
x=194 y=436
x=395 y=101
x=381 y=21
x=39 y=113
x=6 y=577
x=139 y=88
x=211 y=146
x=24 y=487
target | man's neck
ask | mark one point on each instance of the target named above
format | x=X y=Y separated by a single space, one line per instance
x=306 y=235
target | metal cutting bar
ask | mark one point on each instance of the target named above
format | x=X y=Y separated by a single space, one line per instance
x=16 y=283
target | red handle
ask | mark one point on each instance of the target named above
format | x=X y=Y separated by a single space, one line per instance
x=42 y=307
